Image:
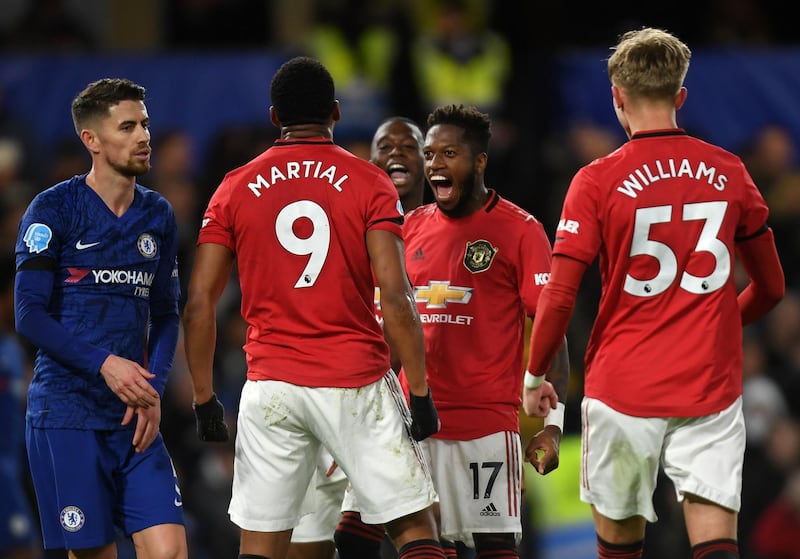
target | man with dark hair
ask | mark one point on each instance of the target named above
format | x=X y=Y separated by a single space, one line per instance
x=97 y=292
x=477 y=264
x=307 y=223
x=396 y=148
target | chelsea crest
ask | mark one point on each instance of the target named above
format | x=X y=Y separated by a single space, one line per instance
x=147 y=245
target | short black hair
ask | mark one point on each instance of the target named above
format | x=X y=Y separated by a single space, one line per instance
x=393 y=119
x=99 y=96
x=476 y=125
x=302 y=92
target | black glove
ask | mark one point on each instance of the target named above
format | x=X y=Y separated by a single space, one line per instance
x=211 y=421
x=424 y=417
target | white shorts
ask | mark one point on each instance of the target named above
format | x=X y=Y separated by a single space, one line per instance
x=620 y=457
x=324 y=499
x=479 y=485
x=279 y=432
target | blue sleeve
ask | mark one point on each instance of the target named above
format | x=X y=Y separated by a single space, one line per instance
x=32 y=291
x=163 y=338
x=164 y=315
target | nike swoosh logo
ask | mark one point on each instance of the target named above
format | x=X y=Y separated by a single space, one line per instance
x=80 y=246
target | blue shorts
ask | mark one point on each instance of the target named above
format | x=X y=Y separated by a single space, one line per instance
x=88 y=482
x=17 y=527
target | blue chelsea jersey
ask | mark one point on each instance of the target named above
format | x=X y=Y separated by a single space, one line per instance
x=111 y=275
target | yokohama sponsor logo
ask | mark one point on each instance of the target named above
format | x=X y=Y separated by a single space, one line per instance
x=128 y=277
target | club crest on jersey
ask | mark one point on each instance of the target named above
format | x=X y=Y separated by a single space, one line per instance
x=147 y=245
x=72 y=518
x=478 y=256
x=37 y=237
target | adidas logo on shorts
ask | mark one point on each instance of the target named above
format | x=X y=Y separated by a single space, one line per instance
x=490 y=510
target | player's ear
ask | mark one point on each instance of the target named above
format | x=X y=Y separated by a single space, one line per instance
x=680 y=98
x=273 y=117
x=336 y=112
x=90 y=140
x=481 y=161
x=617 y=96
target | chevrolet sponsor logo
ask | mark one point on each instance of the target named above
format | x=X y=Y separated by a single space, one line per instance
x=437 y=294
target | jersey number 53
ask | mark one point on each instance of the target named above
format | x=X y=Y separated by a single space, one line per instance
x=712 y=214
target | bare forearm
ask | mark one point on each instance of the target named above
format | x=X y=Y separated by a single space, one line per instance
x=558 y=374
x=404 y=334
x=200 y=336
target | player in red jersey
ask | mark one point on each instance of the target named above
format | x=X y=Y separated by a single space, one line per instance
x=396 y=148
x=666 y=213
x=308 y=223
x=477 y=264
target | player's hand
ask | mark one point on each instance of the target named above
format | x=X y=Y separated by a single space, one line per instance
x=148 y=421
x=537 y=402
x=128 y=380
x=424 y=417
x=211 y=426
x=542 y=450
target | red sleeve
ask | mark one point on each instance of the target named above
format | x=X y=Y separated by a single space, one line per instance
x=553 y=312
x=767 y=285
x=384 y=208
x=216 y=226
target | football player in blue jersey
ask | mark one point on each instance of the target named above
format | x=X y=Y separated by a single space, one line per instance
x=96 y=292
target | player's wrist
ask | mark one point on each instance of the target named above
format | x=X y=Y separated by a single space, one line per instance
x=531 y=381
x=556 y=416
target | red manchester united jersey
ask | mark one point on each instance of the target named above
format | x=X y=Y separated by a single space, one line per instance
x=663 y=212
x=296 y=218
x=475 y=279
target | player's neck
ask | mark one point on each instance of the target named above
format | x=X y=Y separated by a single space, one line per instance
x=652 y=120
x=299 y=131
x=476 y=200
x=411 y=200
x=114 y=189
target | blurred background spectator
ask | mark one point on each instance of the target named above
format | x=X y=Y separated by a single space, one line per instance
x=19 y=530
x=772 y=158
x=775 y=533
x=207 y=63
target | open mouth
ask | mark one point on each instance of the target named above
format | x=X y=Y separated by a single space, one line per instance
x=398 y=173
x=442 y=187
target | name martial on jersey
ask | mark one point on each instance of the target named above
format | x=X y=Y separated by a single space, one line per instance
x=293 y=170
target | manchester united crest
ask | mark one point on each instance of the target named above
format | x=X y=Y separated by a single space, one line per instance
x=478 y=256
